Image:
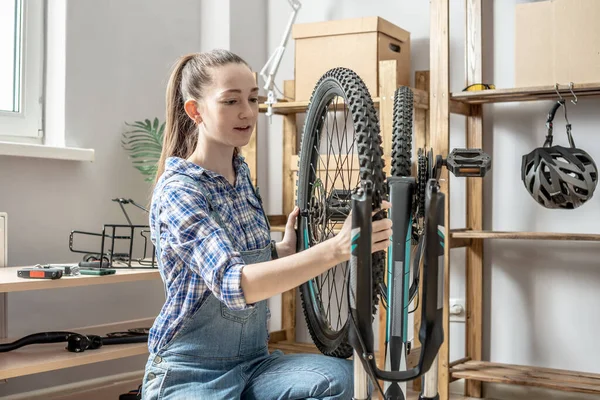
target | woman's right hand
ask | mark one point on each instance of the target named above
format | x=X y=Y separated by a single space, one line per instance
x=380 y=237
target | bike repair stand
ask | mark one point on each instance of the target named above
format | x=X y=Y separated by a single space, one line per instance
x=462 y=163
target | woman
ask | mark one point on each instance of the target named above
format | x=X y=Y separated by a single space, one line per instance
x=215 y=255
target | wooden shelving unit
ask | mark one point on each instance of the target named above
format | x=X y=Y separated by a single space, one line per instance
x=472 y=234
x=34 y=359
x=534 y=93
x=567 y=381
x=472 y=368
x=38 y=358
x=9 y=282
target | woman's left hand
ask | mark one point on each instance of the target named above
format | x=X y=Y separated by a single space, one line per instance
x=288 y=245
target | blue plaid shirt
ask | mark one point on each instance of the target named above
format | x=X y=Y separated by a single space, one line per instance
x=197 y=255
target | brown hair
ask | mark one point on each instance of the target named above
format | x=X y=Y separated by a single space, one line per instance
x=190 y=75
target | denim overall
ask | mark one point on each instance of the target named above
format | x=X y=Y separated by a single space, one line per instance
x=223 y=354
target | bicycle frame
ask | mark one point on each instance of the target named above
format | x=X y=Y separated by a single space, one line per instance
x=431 y=333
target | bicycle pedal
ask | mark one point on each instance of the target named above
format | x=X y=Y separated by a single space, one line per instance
x=468 y=163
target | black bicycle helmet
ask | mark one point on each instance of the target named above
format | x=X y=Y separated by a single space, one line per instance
x=557 y=176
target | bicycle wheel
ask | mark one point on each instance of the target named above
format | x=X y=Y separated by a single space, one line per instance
x=401 y=167
x=402 y=132
x=331 y=165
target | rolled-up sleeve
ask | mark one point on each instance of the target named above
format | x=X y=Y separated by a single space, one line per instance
x=202 y=244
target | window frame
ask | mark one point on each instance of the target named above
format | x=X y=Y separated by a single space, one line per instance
x=26 y=126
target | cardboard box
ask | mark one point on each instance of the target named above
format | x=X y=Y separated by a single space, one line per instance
x=557 y=41
x=358 y=44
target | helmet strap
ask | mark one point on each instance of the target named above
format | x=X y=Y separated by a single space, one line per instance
x=548 y=142
x=571 y=142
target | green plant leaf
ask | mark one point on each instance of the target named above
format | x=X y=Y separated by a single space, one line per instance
x=143 y=142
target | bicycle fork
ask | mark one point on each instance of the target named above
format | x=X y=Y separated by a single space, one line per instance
x=435 y=234
x=398 y=277
x=360 y=268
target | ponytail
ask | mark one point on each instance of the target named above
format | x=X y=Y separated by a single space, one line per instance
x=180 y=135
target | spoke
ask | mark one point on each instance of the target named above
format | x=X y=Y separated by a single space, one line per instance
x=332 y=170
x=337 y=298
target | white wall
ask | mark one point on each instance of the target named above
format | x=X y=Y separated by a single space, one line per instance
x=118 y=59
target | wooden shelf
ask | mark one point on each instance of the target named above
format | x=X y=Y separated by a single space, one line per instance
x=49 y=357
x=415 y=396
x=568 y=381
x=10 y=282
x=472 y=234
x=532 y=93
x=421 y=100
x=277 y=222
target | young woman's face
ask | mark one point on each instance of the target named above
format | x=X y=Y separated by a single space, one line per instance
x=229 y=108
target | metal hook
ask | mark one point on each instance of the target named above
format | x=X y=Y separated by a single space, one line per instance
x=557 y=92
x=573 y=93
x=569 y=134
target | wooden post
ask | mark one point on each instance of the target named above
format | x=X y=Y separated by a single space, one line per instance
x=288 y=299
x=249 y=151
x=440 y=141
x=421 y=131
x=474 y=198
x=421 y=140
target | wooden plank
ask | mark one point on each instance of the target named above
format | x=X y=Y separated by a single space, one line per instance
x=459 y=107
x=421 y=117
x=38 y=358
x=290 y=140
x=474 y=200
x=421 y=101
x=563 y=380
x=459 y=361
x=9 y=282
x=278 y=228
x=289 y=347
x=249 y=151
x=456 y=243
x=480 y=234
x=440 y=141
x=532 y=93
x=277 y=336
x=277 y=220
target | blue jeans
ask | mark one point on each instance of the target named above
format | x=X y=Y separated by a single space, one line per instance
x=263 y=377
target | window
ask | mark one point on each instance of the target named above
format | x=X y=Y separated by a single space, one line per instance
x=21 y=70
